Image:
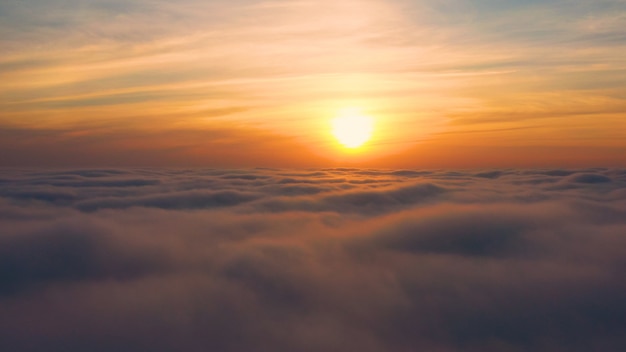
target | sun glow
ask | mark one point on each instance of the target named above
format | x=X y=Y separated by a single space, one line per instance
x=352 y=129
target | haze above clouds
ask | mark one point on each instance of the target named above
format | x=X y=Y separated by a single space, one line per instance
x=312 y=260
x=244 y=83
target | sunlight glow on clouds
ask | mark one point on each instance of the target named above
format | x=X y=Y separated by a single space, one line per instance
x=430 y=70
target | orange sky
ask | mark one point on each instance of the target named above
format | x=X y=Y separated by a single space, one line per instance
x=256 y=83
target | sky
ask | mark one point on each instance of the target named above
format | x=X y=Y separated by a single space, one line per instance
x=243 y=83
x=319 y=260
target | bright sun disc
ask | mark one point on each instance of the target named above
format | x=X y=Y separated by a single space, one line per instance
x=352 y=129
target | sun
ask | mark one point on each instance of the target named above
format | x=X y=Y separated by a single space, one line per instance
x=352 y=129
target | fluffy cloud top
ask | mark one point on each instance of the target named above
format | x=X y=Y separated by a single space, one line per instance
x=312 y=260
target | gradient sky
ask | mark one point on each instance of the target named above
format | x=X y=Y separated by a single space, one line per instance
x=450 y=83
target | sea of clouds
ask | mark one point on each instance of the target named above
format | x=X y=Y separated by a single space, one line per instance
x=312 y=260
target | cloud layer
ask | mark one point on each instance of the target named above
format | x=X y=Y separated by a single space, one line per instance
x=312 y=260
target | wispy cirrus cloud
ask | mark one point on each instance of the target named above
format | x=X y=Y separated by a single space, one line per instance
x=283 y=66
